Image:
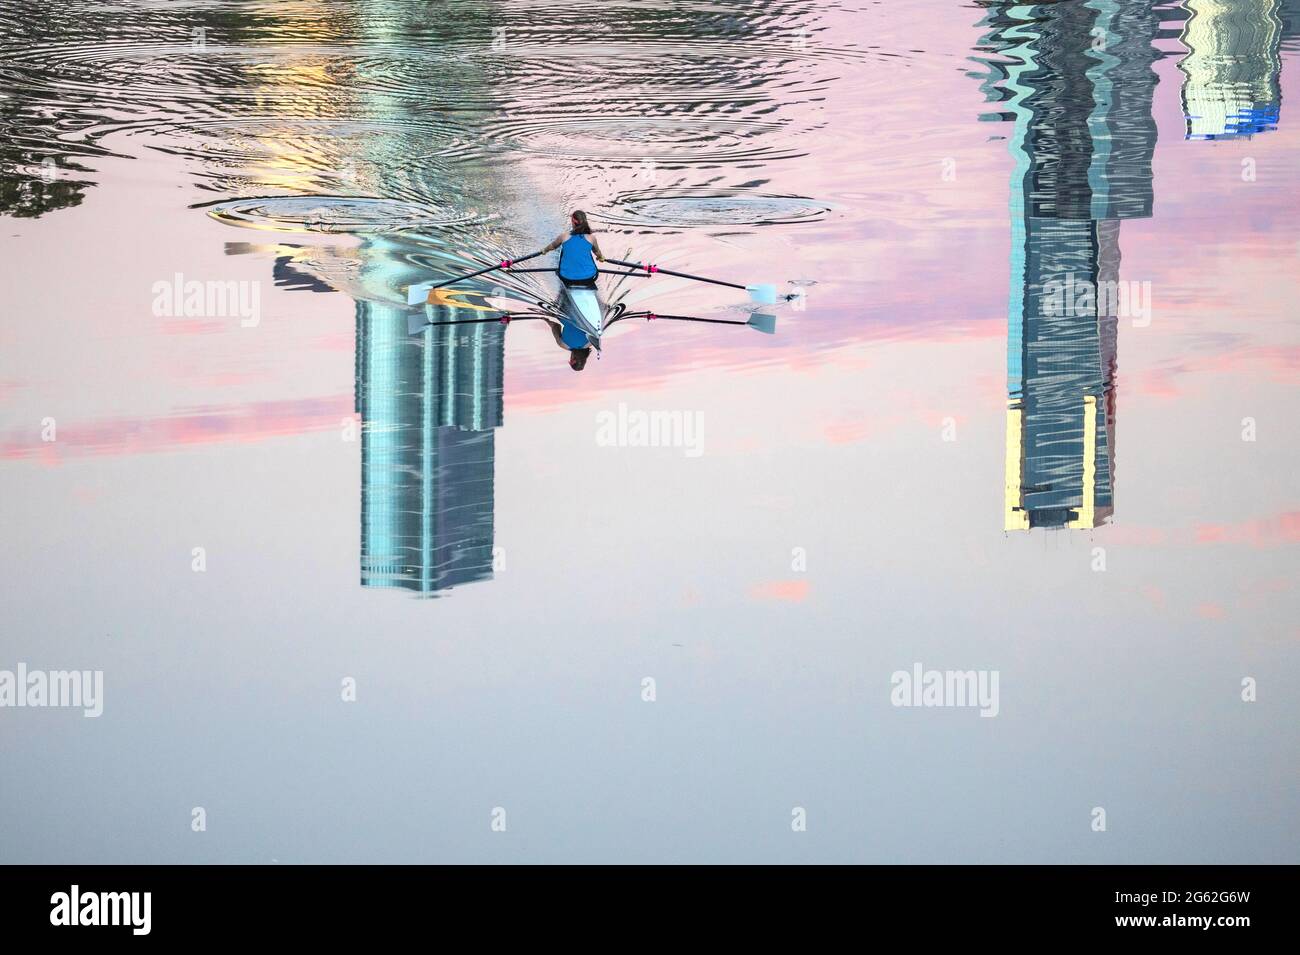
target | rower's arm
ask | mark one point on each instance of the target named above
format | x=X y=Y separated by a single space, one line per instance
x=555 y=243
x=595 y=247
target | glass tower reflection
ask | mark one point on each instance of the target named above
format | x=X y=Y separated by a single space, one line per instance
x=1076 y=80
x=429 y=403
x=429 y=395
x=1231 y=87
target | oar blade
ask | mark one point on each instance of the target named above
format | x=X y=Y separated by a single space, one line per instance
x=762 y=294
x=418 y=294
x=762 y=322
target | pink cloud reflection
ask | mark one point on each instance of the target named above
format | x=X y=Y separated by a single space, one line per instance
x=255 y=421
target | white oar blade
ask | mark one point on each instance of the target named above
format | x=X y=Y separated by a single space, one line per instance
x=418 y=294
x=762 y=294
x=762 y=322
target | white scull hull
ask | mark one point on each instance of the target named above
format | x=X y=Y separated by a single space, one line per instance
x=583 y=307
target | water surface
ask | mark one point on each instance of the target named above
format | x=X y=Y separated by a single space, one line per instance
x=1032 y=412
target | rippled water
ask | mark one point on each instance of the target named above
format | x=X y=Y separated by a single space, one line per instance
x=1027 y=407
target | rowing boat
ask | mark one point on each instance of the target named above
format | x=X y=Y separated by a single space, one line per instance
x=582 y=306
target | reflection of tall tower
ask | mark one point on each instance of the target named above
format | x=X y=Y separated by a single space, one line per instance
x=429 y=396
x=1077 y=81
x=429 y=403
x=1230 y=84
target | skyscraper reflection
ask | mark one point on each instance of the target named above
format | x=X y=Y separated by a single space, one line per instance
x=1231 y=87
x=1076 y=80
x=430 y=401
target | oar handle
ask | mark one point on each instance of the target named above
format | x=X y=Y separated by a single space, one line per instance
x=503 y=264
x=652 y=269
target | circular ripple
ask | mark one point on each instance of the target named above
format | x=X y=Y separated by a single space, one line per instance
x=331 y=214
x=712 y=208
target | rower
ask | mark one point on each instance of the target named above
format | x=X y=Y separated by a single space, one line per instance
x=579 y=252
x=577 y=249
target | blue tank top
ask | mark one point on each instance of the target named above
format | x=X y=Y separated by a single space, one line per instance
x=572 y=336
x=576 y=261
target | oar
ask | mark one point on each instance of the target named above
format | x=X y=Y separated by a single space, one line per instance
x=760 y=294
x=503 y=264
x=759 y=321
x=503 y=319
x=414 y=292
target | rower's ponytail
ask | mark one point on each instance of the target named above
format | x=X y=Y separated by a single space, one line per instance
x=578 y=218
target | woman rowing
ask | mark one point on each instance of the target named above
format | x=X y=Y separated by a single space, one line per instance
x=579 y=253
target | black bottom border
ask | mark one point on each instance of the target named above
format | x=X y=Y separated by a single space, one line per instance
x=215 y=903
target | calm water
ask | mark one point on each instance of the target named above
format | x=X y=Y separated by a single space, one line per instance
x=1031 y=411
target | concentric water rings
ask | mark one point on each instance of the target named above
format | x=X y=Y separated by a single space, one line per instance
x=710 y=207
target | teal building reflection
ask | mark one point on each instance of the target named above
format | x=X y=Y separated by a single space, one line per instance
x=1076 y=82
x=429 y=396
x=429 y=404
